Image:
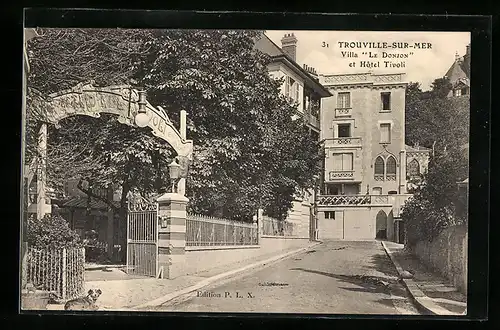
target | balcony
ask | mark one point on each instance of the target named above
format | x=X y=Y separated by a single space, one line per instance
x=340 y=175
x=314 y=121
x=396 y=201
x=343 y=142
x=343 y=112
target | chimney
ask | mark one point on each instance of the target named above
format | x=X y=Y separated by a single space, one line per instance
x=289 y=45
x=311 y=71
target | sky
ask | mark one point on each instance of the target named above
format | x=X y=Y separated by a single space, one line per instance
x=421 y=65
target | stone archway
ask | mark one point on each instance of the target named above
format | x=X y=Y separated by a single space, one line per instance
x=121 y=100
x=125 y=102
x=381 y=225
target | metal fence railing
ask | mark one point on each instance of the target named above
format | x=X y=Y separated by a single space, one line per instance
x=274 y=227
x=209 y=231
x=61 y=271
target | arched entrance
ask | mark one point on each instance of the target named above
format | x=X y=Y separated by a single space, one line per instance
x=132 y=108
x=381 y=225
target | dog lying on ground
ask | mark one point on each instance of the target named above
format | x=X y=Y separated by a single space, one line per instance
x=84 y=303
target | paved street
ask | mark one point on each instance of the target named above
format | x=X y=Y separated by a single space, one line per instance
x=334 y=277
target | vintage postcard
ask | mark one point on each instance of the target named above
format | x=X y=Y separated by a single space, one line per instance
x=255 y=171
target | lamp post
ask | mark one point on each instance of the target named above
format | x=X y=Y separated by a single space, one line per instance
x=141 y=118
x=174 y=171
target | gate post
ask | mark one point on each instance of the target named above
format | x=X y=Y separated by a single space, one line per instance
x=171 y=235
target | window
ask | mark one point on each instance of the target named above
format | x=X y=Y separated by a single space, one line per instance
x=386 y=101
x=333 y=190
x=330 y=215
x=344 y=100
x=393 y=192
x=413 y=168
x=291 y=89
x=377 y=191
x=379 y=168
x=342 y=162
x=391 y=165
x=287 y=86
x=385 y=133
x=391 y=169
x=344 y=130
x=296 y=94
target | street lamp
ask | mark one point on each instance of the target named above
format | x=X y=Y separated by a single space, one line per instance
x=174 y=171
x=142 y=118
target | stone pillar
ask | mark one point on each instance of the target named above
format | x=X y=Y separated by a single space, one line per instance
x=402 y=172
x=171 y=235
x=181 y=185
x=260 y=223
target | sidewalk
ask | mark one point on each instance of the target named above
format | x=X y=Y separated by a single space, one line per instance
x=126 y=294
x=430 y=291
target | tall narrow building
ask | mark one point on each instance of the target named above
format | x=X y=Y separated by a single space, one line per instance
x=301 y=85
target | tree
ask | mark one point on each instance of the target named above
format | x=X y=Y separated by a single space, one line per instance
x=247 y=148
x=434 y=120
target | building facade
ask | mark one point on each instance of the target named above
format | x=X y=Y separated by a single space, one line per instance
x=363 y=129
x=365 y=176
x=301 y=85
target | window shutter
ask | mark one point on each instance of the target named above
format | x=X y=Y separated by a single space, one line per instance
x=287 y=86
x=297 y=98
x=337 y=162
x=385 y=133
x=347 y=162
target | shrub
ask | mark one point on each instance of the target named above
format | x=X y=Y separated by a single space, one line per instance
x=52 y=231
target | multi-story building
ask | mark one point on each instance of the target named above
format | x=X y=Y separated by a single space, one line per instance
x=302 y=86
x=363 y=129
x=365 y=168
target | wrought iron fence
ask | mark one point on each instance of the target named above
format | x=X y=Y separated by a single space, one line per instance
x=274 y=227
x=209 y=231
x=61 y=271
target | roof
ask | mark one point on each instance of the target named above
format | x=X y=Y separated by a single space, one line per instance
x=416 y=149
x=266 y=45
x=456 y=72
x=82 y=202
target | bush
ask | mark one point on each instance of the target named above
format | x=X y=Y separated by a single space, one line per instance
x=52 y=231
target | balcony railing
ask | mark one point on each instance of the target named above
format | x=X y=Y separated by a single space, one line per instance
x=314 y=121
x=397 y=201
x=343 y=112
x=343 y=142
x=340 y=175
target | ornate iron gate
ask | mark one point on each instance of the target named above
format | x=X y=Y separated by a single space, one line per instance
x=142 y=237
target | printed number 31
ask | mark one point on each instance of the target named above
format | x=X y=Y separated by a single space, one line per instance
x=324 y=44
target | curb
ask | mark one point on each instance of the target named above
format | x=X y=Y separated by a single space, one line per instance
x=423 y=302
x=210 y=280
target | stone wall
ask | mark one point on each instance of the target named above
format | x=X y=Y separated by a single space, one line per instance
x=209 y=258
x=447 y=254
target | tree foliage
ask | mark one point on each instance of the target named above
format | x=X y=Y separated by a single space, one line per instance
x=248 y=150
x=436 y=121
x=52 y=231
